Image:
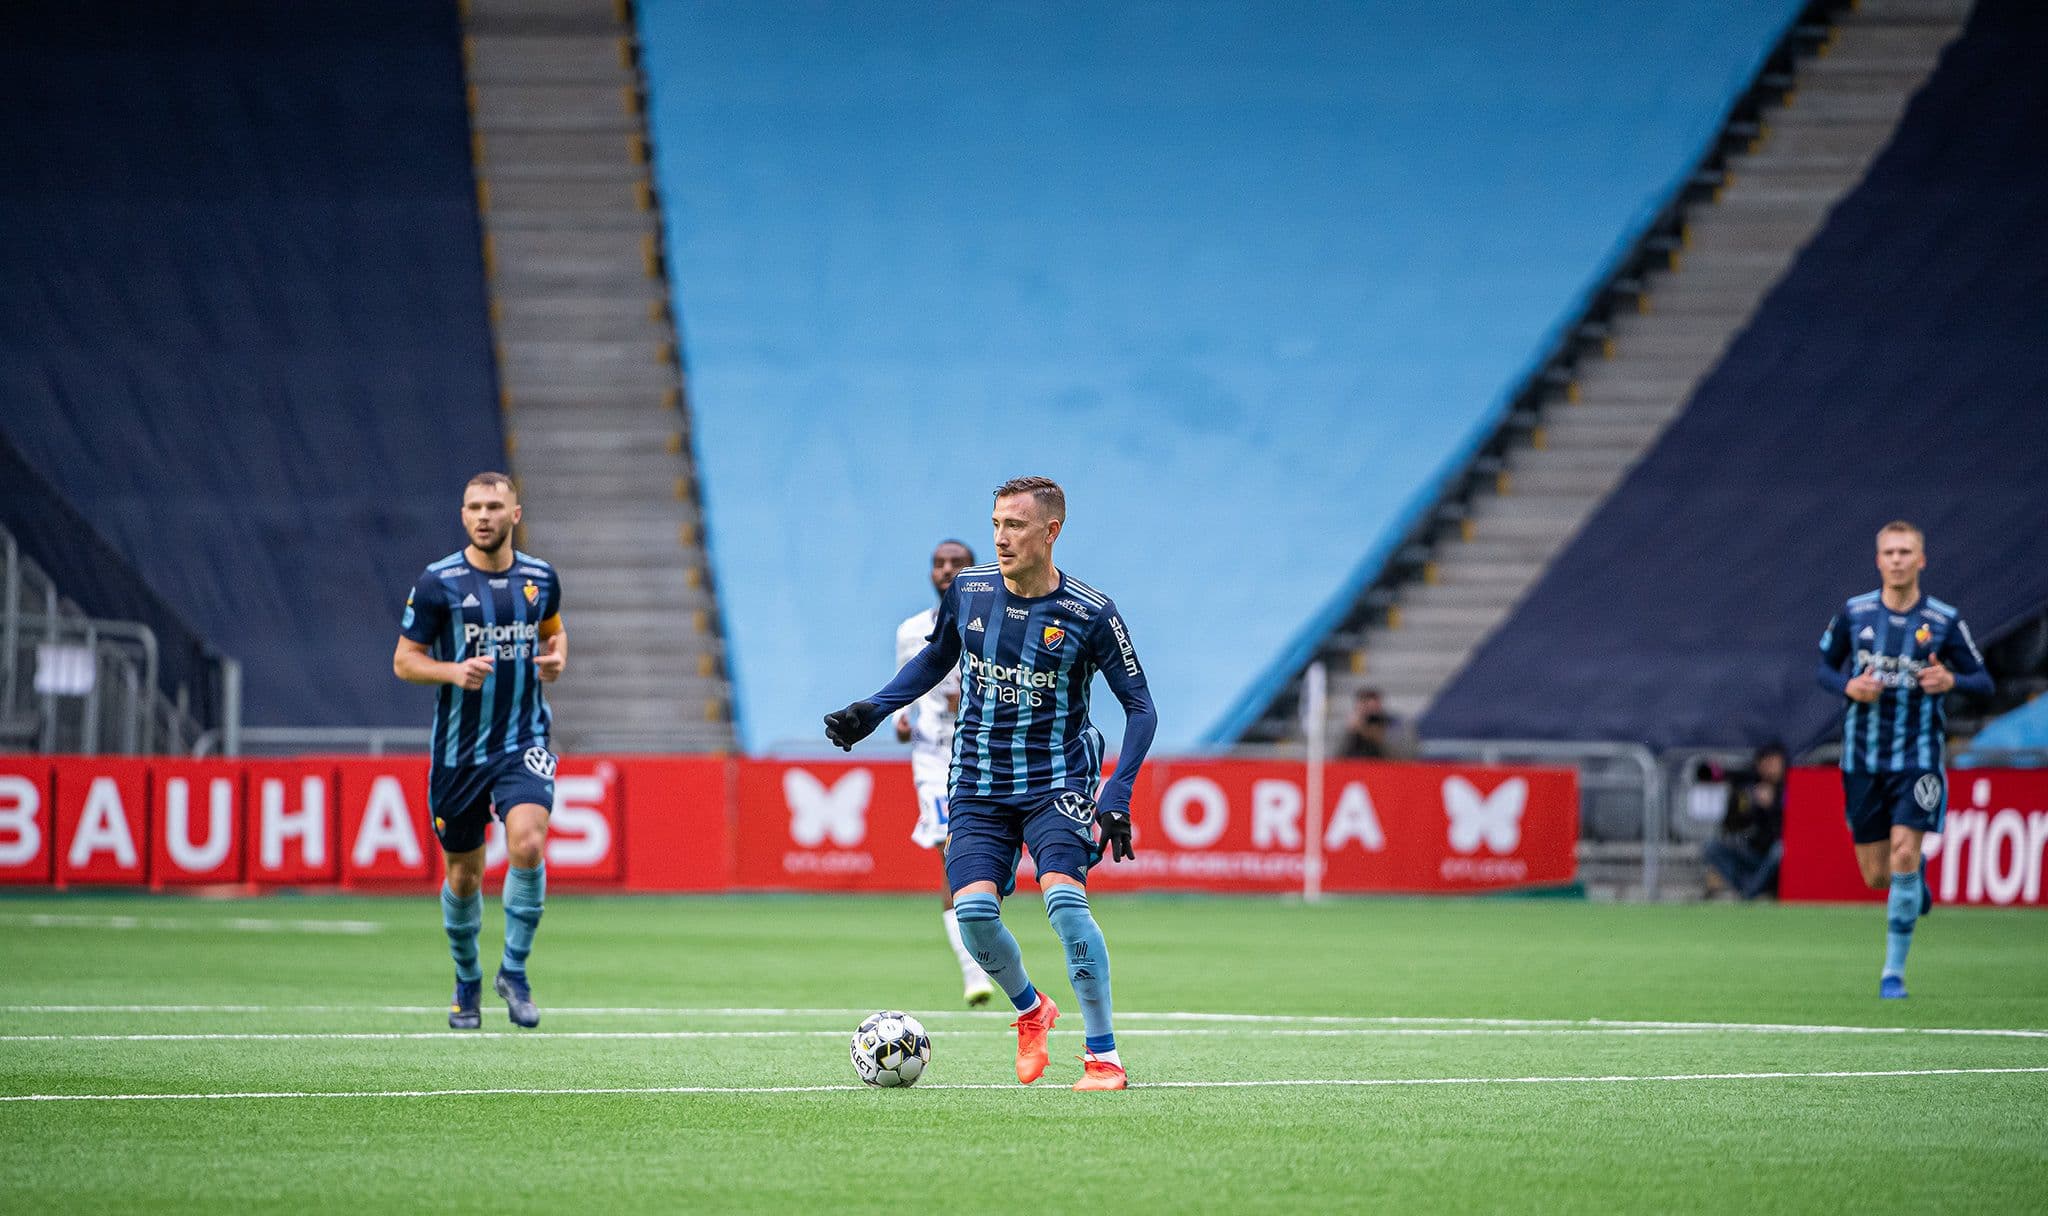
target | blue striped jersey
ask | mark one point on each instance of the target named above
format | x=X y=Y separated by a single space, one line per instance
x=460 y=612
x=1906 y=727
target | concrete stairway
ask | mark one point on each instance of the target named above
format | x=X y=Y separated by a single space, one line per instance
x=1811 y=151
x=593 y=395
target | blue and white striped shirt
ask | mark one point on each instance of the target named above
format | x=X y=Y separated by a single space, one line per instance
x=1905 y=729
x=460 y=612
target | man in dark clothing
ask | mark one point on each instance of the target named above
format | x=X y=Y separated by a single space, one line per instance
x=1747 y=854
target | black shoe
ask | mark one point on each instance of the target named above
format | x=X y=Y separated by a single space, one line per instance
x=464 y=1012
x=518 y=997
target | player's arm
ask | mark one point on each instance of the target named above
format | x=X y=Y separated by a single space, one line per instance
x=554 y=649
x=425 y=616
x=1957 y=665
x=1836 y=646
x=916 y=678
x=1118 y=660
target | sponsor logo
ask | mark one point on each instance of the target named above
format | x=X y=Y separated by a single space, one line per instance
x=1868 y=634
x=530 y=570
x=469 y=601
x=977 y=586
x=1493 y=819
x=1927 y=791
x=1898 y=620
x=1077 y=807
x=1082 y=973
x=514 y=641
x=1123 y=645
x=1890 y=670
x=1052 y=635
x=499 y=584
x=1076 y=607
x=1016 y=614
x=540 y=762
x=532 y=592
x=454 y=572
x=818 y=813
x=975 y=626
x=1923 y=635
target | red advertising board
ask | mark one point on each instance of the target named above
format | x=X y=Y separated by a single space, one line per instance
x=27 y=821
x=196 y=822
x=290 y=812
x=682 y=838
x=1213 y=825
x=586 y=831
x=102 y=821
x=1992 y=849
x=385 y=838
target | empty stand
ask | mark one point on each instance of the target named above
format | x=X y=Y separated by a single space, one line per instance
x=1808 y=150
x=591 y=389
x=1897 y=369
x=242 y=319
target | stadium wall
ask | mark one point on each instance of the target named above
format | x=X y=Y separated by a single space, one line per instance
x=643 y=823
x=1249 y=278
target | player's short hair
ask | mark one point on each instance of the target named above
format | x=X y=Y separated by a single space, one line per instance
x=1044 y=490
x=963 y=544
x=489 y=478
x=1900 y=525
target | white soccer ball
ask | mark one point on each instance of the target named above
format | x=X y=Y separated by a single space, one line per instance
x=891 y=1049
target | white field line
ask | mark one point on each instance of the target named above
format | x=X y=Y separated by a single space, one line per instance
x=1330 y=1082
x=1306 y=1022
x=451 y=1036
x=236 y=924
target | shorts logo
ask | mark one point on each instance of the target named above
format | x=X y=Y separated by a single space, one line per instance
x=1077 y=807
x=532 y=592
x=540 y=762
x=1053 y=635
x=1927 y=791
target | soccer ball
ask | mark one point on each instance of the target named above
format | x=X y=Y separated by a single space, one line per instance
x=891 y=1049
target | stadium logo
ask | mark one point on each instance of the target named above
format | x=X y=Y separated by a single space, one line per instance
x=818 y=813
x=1053 y=635
x=1123 y=644
x=1494 y=819
x=532 y=592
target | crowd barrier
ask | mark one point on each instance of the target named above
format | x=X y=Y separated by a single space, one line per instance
x=1990 y=851
x=645 y=823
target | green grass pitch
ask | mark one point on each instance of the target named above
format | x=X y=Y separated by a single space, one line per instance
x=1405 y=1055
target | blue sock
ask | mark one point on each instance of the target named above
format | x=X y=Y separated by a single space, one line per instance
x=1066 y=906
x=1901 y=911
x=981 y=927
x=462 y=919
x=526 y=891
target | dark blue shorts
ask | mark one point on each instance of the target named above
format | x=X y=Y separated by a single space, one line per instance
x=986 y=836
x=1916 y=798
x=463 y=799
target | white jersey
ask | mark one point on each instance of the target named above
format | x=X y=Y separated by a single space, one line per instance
x=932 y=715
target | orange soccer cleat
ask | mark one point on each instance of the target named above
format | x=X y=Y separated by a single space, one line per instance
x=1031 y=1031
x=1100 y=1074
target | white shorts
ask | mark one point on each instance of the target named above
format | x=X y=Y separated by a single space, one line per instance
x=930 y=773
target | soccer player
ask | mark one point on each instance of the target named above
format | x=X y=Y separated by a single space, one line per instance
x=927 y=725
x=1894 y=653
x=485 y=625
x=1028 y=639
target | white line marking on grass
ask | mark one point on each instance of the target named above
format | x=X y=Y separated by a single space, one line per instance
x=176 y=924
x=1333 y=1082
x=1127 y=1032
x=1341 y=1024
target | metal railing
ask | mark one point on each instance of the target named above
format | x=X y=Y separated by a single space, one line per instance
x=290 y=740
x=1621 y=788
x=75 y=683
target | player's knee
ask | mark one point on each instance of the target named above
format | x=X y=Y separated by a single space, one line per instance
x=464 y=882
x=1048 y=881
x=526 y=849
x=974 y=888
x=1905 y=857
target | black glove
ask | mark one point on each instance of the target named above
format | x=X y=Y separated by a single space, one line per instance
x=1116 y=834
x=852 y=724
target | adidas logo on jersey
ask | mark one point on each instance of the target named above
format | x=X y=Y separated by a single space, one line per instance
x=1868 y=634
x=975 y=626
x=469 y=601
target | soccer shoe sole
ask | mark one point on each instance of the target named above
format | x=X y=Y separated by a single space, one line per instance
x=978 y=995
x=1032 y=1057
x=1095 y=1077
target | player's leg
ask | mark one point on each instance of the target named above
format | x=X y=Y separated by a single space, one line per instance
x=460 y=809
x=931 y=833
x=525 y=897
x=1868 y=809
x=1060 y=837
x=981 y=867
x=1919 y=800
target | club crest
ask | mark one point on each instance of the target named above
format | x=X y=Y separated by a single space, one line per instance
x=532 y=592
x=1923 y=635
x=1053 y=635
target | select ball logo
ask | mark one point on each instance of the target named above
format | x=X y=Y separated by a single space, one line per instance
x=891 y=1050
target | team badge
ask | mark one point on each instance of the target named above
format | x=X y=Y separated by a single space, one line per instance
x=532 y=593
x=440 y=826
x=1053 y=636
x=1923 y=635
